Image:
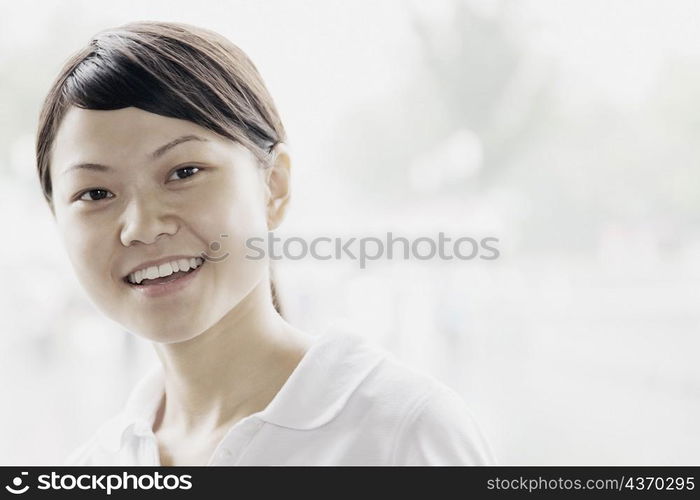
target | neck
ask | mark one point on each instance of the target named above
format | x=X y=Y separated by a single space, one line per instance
x=231 y=370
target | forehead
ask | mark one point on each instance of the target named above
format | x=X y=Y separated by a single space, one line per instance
x=117 y=135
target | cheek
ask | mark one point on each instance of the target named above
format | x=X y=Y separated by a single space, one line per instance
x=89 y=247
x=85 y=243
x=233 y=219
x=229 y=210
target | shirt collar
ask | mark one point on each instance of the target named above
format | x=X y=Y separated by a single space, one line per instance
x=317 y=390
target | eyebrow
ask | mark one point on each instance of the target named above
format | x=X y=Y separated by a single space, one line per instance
x=96 y=167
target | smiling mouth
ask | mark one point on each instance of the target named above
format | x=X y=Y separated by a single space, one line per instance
x=162 y=279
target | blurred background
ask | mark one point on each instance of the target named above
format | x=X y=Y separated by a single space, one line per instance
x=567 y=129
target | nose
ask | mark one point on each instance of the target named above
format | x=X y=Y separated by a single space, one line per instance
x=145 y=220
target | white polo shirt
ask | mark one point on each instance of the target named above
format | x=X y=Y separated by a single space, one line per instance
x=347 y=402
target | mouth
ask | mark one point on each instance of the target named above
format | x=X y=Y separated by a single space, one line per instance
x=159 y=275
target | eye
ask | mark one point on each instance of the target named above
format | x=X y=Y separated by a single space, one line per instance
x=189 y=172
x=99 y=194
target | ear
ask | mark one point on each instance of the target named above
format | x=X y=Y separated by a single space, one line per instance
x=277 y=185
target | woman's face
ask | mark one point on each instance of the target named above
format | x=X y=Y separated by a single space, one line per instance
x=169 y=188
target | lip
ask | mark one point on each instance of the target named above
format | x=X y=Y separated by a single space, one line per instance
x=169 y=287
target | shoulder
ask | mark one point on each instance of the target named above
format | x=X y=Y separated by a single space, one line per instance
x=109 y=444
x=440 y=429
x=430 y=423
x=100 y=447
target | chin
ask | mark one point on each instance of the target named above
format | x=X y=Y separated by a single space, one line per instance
x=165 y=334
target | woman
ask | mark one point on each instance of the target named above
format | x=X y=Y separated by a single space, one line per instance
x=160 y=153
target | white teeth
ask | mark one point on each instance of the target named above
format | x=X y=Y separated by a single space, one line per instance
x=166 y=269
